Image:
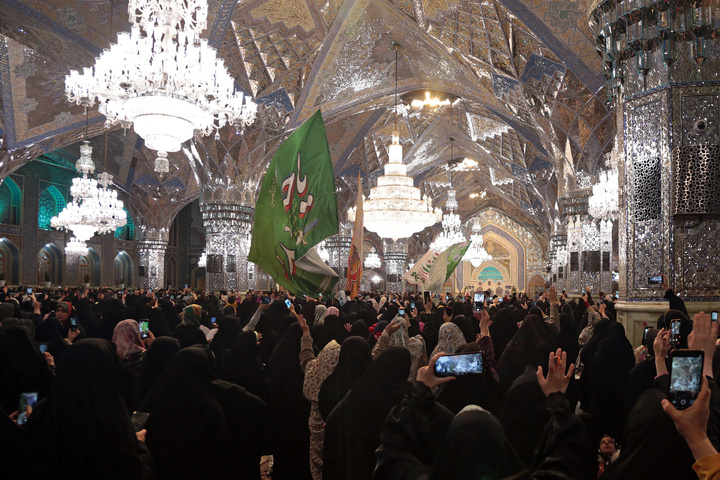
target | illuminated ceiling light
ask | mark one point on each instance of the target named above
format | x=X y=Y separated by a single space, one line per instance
x=163 y=78
x=451 y=233
x=474 y=195
x=376 y=279
x=395 y=208
x=603 y=203
x=76 y=247
x=372 y=260
x=202 y=261
x=476 y=253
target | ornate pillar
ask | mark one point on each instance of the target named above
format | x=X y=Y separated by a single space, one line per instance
x=338 y=247
x=151 y=249
x=558 y=259
x=228 y=228
x=661 y=59
x=574 y=211
x=395 y=264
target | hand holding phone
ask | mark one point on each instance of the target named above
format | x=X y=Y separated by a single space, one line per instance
x=27 y=403
x=459 y=364
x=73 y=324
x=144 y=329
x=686 y=367
x=138 y=420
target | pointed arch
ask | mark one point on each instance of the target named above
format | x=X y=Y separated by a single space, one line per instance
x=50 y=203
x=10 y=202
x=10 y=261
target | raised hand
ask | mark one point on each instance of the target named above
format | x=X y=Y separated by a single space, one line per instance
x=557 y=380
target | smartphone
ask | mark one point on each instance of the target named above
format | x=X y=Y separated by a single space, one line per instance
x=139 y=419
x=713 y=316
x=500 y=299
x=186 y=285
x=267 y=300
x=645 y=332
x=149 y=290
x=43 y=347
x=478 y=301
x=686 y=367
x=288 y=302
x=412 y=305
x=29 y=291
x=144 y=329
x=656 y=280
x=73 y=324
x=459 y=364
x=401 y=312
x=426 y=296
x=213 y=320
x=674 y=333
x=28 y=399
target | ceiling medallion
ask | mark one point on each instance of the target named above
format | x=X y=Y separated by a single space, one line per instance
x=163 y=79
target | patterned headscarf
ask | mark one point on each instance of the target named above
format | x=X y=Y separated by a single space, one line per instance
x=192 y=315
x=320 y=312
x=415 y=344
x=319 y=369
x=126 y=338
x=450 y=338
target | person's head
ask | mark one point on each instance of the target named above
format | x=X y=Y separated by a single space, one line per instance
x=62 y=311
x=607 y=445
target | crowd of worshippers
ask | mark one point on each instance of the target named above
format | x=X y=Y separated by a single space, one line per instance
x=106 y=384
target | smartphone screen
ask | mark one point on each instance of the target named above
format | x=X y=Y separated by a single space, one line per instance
x=26 y=400
x=73 y=324
x=43 y=347
x=713 y=316
x=412 y=305
x=28 y=291
x=144 y=329
x=401 y=312
x=656 y=280
x=213 y=320
x=459 y=364
x=478 y=298
x=685 y=377
x=267 y=300
x=288 y=302
x=674 y=332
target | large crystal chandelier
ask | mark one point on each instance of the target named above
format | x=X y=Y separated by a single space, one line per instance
x=395 y=208
x=451 y=233
x=603 y=203
x=91 y=209
x=476 y=253
x=163 y=78
x=323 y=252
x=202 y=261
x=372 y=260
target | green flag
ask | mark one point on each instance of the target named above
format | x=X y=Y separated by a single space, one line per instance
x=296 y=210
x=445 y=264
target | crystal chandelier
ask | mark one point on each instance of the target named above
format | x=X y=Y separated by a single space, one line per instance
x=376 y=279
x=372 y=260
x=476 y=253
x=76 y=247
x=163 y=78
x=202 y=261
x=603 y=203
x=91 y=209
x=395 y=208
x=451 y=233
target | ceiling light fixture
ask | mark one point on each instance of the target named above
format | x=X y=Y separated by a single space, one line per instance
x=395 y=208
x=163 y=78
x=476 y=253
x=372 y=260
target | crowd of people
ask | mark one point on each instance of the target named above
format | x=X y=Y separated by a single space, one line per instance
x=106 y=384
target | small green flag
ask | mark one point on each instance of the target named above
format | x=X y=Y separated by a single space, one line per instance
x=296 y=210
x=445 y=264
